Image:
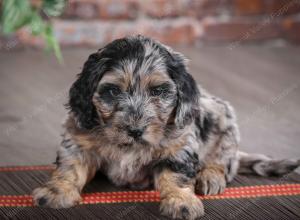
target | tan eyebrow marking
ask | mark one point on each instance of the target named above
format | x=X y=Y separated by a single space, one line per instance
x=154 y=79
x=121 y=79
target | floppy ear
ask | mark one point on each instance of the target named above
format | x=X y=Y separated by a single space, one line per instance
x=82 y=90
x=187 y=91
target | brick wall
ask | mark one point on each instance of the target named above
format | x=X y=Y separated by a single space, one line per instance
x=96 y=22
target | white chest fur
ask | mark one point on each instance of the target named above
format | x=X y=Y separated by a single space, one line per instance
x=131 y=168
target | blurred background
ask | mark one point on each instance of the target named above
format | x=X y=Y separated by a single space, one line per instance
x=246 y=52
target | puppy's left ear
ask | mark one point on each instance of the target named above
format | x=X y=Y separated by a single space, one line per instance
x=187 y=91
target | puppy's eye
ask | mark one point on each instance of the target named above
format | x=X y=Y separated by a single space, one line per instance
x=159 y=90
x=114 y=91
x=156 y=92
x=109 y=90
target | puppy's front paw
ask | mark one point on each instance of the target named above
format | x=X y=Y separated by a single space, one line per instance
x=182 y=207
x=56 y=198
x=210 y=182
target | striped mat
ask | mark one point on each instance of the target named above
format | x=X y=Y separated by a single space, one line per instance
x=248 y=197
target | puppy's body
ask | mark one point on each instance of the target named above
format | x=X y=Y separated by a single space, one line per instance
x=139 y=117
x=132 y=165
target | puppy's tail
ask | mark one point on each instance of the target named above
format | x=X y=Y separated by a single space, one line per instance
x=265 y=166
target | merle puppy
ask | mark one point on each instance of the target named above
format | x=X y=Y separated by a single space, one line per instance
x=138 y=116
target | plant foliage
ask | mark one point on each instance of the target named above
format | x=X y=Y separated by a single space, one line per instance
x=34 y=15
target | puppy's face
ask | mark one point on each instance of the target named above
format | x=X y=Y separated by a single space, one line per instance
x=135 y=103
x=135 y=90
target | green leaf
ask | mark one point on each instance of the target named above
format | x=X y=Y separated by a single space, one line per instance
x=52 y=43
x=54 y=7
x=15 y=14
x=37 y=25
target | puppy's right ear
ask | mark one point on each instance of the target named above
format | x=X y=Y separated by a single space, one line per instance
x=81 y=92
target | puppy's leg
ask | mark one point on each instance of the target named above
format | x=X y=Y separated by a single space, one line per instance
x=178 y=199
x=75 y=168
x=220 y=165
x=211 y=180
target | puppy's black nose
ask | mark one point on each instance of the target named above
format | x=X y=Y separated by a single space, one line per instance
x=135 y=132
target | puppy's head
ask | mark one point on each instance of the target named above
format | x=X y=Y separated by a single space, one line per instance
x=135 y=90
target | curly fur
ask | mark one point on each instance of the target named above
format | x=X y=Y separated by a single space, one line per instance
x=138 y=116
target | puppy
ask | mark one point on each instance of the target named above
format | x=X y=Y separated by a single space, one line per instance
x=138 y=116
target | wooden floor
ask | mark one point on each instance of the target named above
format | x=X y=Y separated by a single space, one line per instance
x=262 y=83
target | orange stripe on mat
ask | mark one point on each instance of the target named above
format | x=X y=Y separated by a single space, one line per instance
x=153 y=196
x=24 y=168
